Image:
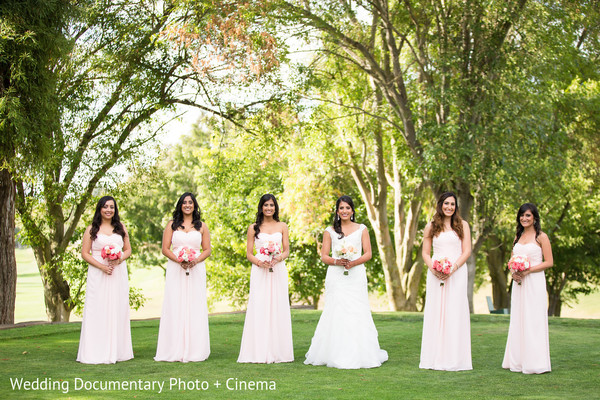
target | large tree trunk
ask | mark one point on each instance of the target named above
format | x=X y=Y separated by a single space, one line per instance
x=8 y=263
x=405 y=231
x=465 y=202
x=496 y=256
x=554 y=298
x=554 y=304
x=402 y=273
x=57 y=294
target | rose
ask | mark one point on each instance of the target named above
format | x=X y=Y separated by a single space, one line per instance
x=187 y=255
x=345 y=251
x=444 y=266
x=518 y=263
x=270 y=249
x=110 y=252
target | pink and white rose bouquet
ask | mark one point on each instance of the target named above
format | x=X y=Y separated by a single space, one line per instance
x=345 y=251
x=518 y=264
x=186 y=254
x=110 y=252
x=444 y=266
x=270 y=249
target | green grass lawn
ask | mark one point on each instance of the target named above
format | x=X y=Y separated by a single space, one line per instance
x=49 y=352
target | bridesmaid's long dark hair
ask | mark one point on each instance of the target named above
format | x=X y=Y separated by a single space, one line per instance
x=178 y=213
x=536 y=221
x=115 y=221
x=437 y=224
x=337 y=221
x=259 y=214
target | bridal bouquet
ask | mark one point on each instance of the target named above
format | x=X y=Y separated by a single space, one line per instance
x=518 y=264
x=444 y=266
x=270 y=249
x=345 y=251
x=185 y=254
x=110 y=252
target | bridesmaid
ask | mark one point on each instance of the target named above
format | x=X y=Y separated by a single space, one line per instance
x=527 y=346
x=183 y=332
x=267 y=336
x=446 y=340
x=105 y=331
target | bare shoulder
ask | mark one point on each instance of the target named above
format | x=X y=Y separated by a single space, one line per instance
x=282 y=225
x=251 y=228
x=427 y=227
x=465 y=225
x=543 y=237
x=204 y=227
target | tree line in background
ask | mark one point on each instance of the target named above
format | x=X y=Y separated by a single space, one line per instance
x=399 y=101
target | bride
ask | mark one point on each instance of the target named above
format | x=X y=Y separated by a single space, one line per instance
x=346 y=336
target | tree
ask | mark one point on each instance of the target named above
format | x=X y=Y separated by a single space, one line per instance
x=30 y=39
x=435 y=112
x=225 y=170
x=130 y=64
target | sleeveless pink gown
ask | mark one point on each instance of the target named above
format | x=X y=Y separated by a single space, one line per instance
x=267 y=336
x=183 y=333
x=105 y=330
x=446 y=341
x=528 y=346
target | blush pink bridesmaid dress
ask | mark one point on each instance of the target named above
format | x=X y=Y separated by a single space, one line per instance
x=105 y=330
x=528 y=346
x=446 y=341
x=267 y=336
x=183 y=333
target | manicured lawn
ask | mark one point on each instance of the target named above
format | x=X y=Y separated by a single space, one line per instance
x=47 y=353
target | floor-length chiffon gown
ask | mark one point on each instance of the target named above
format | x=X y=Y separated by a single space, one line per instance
x=105 y=330
x=527 y=346
x=346 y=336
x=183 y=333
x=446 y=340
x=267 y=336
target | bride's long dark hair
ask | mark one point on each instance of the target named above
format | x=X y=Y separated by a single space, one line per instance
x=337 y=221
x=178 y=213
x=259 y=214
x=115 y=221
x=536 y=221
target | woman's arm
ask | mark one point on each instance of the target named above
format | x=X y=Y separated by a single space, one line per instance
x=426 y=252
x=325 y=248
x=206 y=249
x=466 y=247
x=285 y=244
x=86 y=253
x=426 y=248
x=126 y=246
x=166 y=243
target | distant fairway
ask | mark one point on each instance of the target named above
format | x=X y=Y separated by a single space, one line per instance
x=30 y=297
